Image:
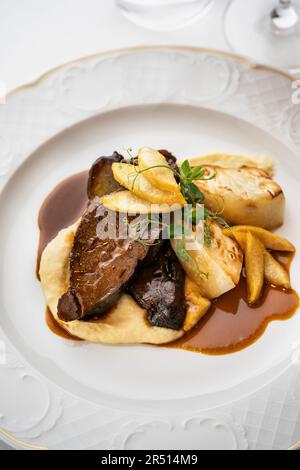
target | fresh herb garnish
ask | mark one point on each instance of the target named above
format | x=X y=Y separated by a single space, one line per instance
x=212 y=216
x=186 y=177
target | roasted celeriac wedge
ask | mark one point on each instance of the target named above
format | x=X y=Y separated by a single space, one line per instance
x=229 y=160
x=216 y=268
x=244 y=196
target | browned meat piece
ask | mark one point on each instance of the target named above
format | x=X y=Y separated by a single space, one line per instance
x=172 y=161
x=158 y=287
x=99 y=267
x=101 y=180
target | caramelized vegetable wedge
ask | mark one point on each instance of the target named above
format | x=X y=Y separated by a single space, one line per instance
x=129 y=203
x=228 y=160
x=198 y=306
x=275 y=273
x=255 y=267
x=129 y=177
x=216 y=268
x=270 y=240
x=101 y=180
x=241 y=238
x=161 y=177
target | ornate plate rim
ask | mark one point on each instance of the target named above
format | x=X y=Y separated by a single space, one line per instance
x=237 y=57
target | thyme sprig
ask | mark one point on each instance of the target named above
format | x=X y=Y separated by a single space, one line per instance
x=215 y=217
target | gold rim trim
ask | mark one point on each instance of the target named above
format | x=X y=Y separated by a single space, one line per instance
x=179 y=48
x=14 y=440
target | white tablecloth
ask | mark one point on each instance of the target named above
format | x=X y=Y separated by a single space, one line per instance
x=36 y=35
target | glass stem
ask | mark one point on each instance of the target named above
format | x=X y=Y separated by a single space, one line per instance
x=285 y=3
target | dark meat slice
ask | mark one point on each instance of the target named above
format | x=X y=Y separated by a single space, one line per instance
x=172 y=161
x=101 y=180
x=158 y=287
x=99 y=267
x=153 y=252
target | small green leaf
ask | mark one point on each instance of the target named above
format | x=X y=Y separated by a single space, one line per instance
x=196 y=195
x=185 y=168
x=197 y=173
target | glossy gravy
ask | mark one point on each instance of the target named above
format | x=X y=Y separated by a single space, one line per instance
x=229 y=326
x=62 y=207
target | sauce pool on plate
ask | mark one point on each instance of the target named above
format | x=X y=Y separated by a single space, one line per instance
x=231 y=325
x=61 y=208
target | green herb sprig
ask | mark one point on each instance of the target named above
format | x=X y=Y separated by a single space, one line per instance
x=186 y=175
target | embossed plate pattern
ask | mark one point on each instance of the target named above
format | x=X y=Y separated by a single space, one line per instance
x=61 y=395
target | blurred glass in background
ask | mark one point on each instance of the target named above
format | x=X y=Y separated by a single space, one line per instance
x=164 y=15
x=266 y=30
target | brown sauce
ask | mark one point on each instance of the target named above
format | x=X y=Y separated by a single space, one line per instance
x=55 y=327
x=229 y=326
x=62 y=207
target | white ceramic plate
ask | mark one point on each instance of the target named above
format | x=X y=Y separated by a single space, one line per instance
x=58 y=394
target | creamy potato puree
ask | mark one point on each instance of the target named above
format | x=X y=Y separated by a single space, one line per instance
x=126 y=322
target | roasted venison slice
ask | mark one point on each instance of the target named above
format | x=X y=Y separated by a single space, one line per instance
x=101 y=180
x=158 y=287
x=172 y=161
x=99 y=267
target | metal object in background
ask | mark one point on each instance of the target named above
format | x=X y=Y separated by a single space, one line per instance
x=285 y=17
x=267 y=31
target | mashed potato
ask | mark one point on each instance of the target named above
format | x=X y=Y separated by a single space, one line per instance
x=126 y=322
